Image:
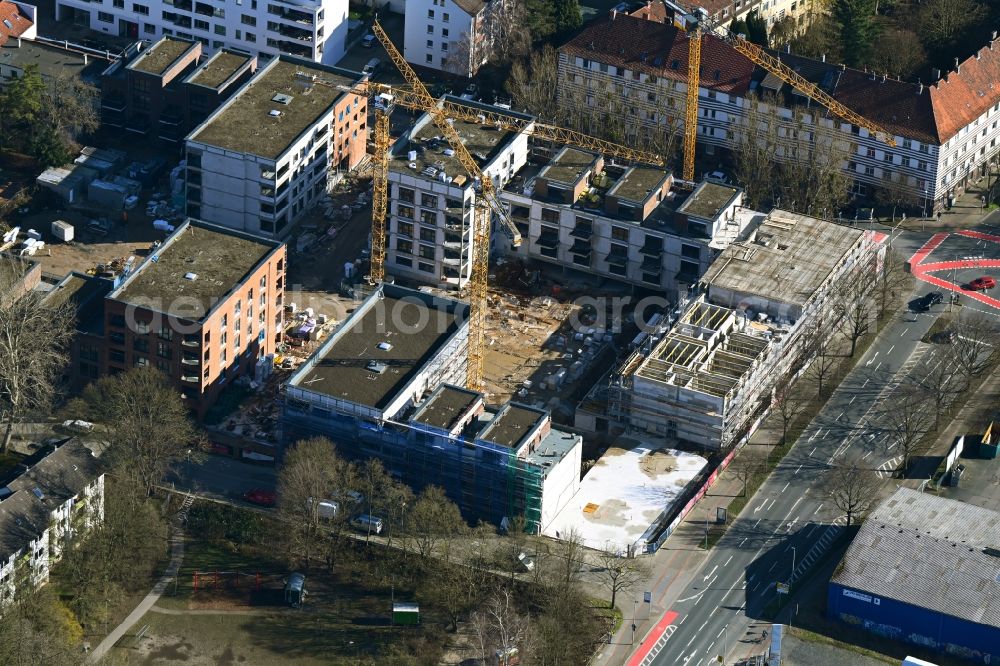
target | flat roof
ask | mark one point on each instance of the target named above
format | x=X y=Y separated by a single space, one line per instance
x=512 y=424
x=637 y=183
x=568 y=166
x=219 y=68
x=786 y=259
x=160 y=56
x=483 y=142
x=930 y=552
x=219 y=259
x=624 y=493
x=555 y=446
x=245 y=124
x=708 y=200
x=52 y=62
x=413 y=324
x=446 y=405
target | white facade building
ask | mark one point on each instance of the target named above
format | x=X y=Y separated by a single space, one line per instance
x=261 y=160
x=429 y=235
x=626 y=224
x=43 y=510
x=316 y=30
x=454 y=36
x=945 y=132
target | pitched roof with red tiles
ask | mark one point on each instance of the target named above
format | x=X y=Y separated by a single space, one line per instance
x=961 y=97
x=662 y=50
x=13 y=23
x=899 y=107
x=652 y=10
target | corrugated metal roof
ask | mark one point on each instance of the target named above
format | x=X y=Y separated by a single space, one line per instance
x=929 y=552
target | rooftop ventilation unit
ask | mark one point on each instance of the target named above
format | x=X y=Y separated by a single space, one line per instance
x=274 y=113
x=282 y=98
x=384 y=346
x=191 y=276
x=376 y=367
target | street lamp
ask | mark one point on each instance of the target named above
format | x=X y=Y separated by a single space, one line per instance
x=635 y=602
x=792 y=574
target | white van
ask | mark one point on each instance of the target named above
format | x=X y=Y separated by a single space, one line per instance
x=327 y=509
x=368 y=523
x=372 y=67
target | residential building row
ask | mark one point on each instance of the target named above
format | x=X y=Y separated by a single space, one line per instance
x=945 y=132
x=388 y=384
x=205 y=307
x=573 y=208
x=454 y=36
x=49 y=502
x=315 y=30
x=708 y=380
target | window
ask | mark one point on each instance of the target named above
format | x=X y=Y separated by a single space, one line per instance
x=404 y=246
x=887 y=157
x=428 y=217
x=549 y=215
x=428 y=235
x=119 y=4
x=425 y=267
x=141 y=362
x=404 y=261
x=430 y=30
x=250 y=37
x=619 y=233
x=690 y=251
x=404 y=229
x=220 y=29
x=163 y=350
x=429 y=200
x=404 y=211
x=116 y=338
x=871 y=152
x=117 y=355
x=105 y=17
x=166 y=333
x=430 y=43
x=446 y=17
x=406 y=194
x=429 y=58
x=922 y=166
x=430 y=13
x=140 y=9
x=149 y=28
x=200 y=25
x=427 y=251
x=869 y=171
x=141 y=345
x=248 y=20
x=444 y=32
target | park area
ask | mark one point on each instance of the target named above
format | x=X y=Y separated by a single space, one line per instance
x=228 y=607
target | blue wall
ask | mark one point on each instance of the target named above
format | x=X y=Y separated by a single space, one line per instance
x=905 y=622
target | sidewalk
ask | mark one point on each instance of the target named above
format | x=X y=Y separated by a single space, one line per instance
x=967 y=211
x=176 y=557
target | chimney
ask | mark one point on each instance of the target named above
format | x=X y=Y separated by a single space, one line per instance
x=977 y=55
x=84 y=59
x=614 y=14
x=958 y=67
x=788 y=47
x=822 y=57
x=920 y=87
x=993 y=36
x=936 y=74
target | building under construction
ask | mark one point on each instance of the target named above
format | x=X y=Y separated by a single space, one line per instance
x=708 y=381
x=387 y=384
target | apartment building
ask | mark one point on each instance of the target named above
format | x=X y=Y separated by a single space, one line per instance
x=315 y=30
x=51 y=500
x=167 y=89
x=454 y=36
x=708 y=381
x=261 y=160
x=387 y=384
x=204 y=307
x=432 y=197
x=945 y=132
x=623 y=223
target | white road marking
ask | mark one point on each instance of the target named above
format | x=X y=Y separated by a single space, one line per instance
x=812 y=437
x=773 y=564
x=718 y=635
x=812 y=452
x=728 y=561
x=890 y=350
x=818 y=508
x=865 y=384
x=711 y=572
x=797 y=470
x=852 y=400
x=866 y=455
x=878 y=366
x=786 y=486
x=743 y=542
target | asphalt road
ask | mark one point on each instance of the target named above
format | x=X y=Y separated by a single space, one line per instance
x=790 y=522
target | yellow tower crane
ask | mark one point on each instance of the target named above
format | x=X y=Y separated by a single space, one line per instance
x=416 y=96
x=694 y=25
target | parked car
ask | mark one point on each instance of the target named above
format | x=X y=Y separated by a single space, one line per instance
x=717 y=175
x=372 y=67
x=261 y=497
x=368 y=41
x=982 y=283
x=78 y=426
x=367 y=523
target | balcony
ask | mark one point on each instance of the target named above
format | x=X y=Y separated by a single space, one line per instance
x=184 y=5
x=290 y=14
x=190 y=360
x=300 y=34
x=191 y=379
x=113 y=103
x=652 y=250
x=191 y=342
x=581 y=248
x=292 y=48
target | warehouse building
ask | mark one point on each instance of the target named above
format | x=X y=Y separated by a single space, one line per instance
x=925 y=570
x=387 y=384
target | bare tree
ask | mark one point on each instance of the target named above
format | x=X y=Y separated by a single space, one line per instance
x=939 y=382
x=387 y=497
x=852 y=305
x=898 y=52
x=788 y=404
x=974 y=346
x=895 y=192
x=312 y=473
x=853 y=490
x=35 y=335
x=505 y=31
x=146 y=423
x=893 y=281
x=819 y=348
x=747 y=465
x=501 y=629
x=432 y=519
x=532 y=83
x=942 y=22
x=618 y=573
x=571 y=554
x=907 y=420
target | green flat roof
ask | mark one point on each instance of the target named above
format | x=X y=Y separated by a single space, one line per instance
x=219 y=68
x=160 y=56
x=445 y=406
x=512 y=424
x=245 y=124
x=220 y=259
x=708 y=199
x=637 y=183
x=567 y=166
